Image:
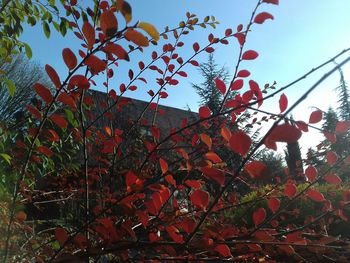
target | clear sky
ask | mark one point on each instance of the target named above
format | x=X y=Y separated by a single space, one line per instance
x=303 y=35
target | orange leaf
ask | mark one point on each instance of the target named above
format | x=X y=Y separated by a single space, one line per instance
x=21 y=216
x=163 y=165
x=69 y=58
x=108 y=23
x=89 y=34
x=136 y=37
x=51 y=72
x=43 y=92
x=213 y=157
x=225 y=133
x=206 y=139
x=257 y=169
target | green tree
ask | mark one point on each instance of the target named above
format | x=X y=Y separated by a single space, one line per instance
x=207 y=91
x=343 y=95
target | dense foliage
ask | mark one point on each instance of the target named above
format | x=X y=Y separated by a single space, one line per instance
x=80 y=182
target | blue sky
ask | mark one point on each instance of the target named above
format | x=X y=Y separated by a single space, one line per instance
x=303 y=34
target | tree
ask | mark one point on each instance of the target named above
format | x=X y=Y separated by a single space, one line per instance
x=159 y=206
x=343 y=95
x=207 y=90
x=23 y=74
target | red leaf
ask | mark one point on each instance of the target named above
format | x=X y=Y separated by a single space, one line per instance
x=302 y=126
x=331 y=157
x=80 y=81
x=196 y=184
x=132 y=181
x=220 y=85
x=243 y=73
x=214 y=174
x=290 y=190
x=163 y=165
x=34 y=112
x=275 y=2
x=59 y=121
x=44 y=150
x=194 y=63
x=257 y=169
x=95 y=64
x=311 y=173
x=240 y=143
x=237 y=84
x=51 y=72
x=332 y=179
x=204 y=112
x=69 y=58
x=61 y=235
x=89 y=34
x=108 y=23
x=188 y=225
x=315 y=195
x=316 y=116
x=342 y=127
x=136 y=37
x=67 y=99
x=200 y=199
x=274 y=204
x=117 y=50
x=43 y=92
x=285 y=133
x=250 y=55
x=196 y=47
x=223 y=250
x=330 y=136
x=262 y=17
x=283 y=102
x=259 y=216
x=174 y=234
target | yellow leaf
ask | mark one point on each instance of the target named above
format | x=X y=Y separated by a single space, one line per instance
x=149 y=29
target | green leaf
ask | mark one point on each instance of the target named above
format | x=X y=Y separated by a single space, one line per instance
x=46 y=29
x=10 y=87
x=6 y=157
x=29 y=52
